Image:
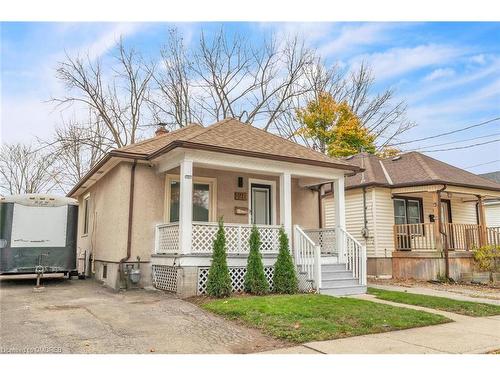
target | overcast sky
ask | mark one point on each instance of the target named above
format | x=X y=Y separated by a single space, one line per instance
x=449 y=73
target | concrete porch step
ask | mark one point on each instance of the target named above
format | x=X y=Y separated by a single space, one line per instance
x=343 y=290
x=331 y=267
x=329 y=259
x=338 y=282
x=331 y=275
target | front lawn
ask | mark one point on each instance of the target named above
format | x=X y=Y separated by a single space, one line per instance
x=438 y=303
x=312 y=317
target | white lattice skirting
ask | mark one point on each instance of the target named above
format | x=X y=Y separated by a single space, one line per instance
x=237 y=278
x=165 y=277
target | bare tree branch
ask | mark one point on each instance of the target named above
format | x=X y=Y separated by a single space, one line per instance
x=118 y=100
x=26 y=169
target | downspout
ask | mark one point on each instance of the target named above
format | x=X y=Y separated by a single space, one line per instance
x=443 y=233
x=320 y=207
x=130 y=220
x=365 y=218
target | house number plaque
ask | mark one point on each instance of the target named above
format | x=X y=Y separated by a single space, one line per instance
x=240 y=195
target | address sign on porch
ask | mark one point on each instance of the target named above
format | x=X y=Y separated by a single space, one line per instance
x=240 y=196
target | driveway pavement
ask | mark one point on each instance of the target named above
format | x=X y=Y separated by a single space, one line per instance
x=81 y=316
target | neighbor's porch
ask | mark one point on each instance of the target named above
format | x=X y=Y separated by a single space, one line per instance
x=452 y=219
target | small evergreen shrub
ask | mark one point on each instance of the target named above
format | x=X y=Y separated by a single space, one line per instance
x=255 y=278
x=219 y=280
x=285 y=278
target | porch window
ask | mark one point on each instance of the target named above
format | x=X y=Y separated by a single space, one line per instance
x=409 y=211
x=202 y=200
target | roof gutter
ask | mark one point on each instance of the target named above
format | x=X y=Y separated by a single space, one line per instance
x=260 y=155
x=101 y=163
x=422 y=183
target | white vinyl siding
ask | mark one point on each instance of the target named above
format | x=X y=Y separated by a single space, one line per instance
x=354 y=216
x=384 y=222
x=492 y=215
x=463 y=212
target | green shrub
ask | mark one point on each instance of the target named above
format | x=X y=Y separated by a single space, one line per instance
x=487 y=258
x=285 y=278
x=219 y=280
x=255 y=278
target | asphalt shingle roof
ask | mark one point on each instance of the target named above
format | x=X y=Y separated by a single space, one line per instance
x=233 y=135
x=493 y=176
x=412 y=168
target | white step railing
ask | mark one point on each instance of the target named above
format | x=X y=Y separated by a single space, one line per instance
x=307 y=256
x=353 y=253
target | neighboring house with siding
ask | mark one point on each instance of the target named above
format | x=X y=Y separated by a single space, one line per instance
x=492 y=207
x=154 y=205
x=409 y=209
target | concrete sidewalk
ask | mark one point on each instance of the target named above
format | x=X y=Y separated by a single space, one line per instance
x=464 y=335
x=438 y=293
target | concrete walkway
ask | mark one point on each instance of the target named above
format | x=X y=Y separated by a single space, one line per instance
x=437 y=293
x=464 y=335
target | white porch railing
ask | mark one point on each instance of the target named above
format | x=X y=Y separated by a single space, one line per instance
x=203 y=235
x=353 y=254
x=325 y=238
x=237 y=237
x=167 y=238
x=307 y=256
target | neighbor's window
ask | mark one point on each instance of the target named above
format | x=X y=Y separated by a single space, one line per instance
x=86 y=213
x=201 y=201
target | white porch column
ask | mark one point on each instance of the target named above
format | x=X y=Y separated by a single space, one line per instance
x=338 y=191
x=185 y=205
x=286 y=203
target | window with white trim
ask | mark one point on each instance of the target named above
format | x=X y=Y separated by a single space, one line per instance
x=203 y=199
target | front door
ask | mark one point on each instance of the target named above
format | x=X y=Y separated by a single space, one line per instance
x=261 y=203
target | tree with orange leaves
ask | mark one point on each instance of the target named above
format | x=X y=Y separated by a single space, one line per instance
x=334 y=128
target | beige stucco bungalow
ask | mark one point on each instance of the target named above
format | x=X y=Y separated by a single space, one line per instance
x=417 y=216
x=153 y=207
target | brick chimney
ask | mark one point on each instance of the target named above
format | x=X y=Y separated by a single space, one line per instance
x=161 y=130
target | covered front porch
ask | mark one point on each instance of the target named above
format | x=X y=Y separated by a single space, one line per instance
x=201 y=187
x=437 y=218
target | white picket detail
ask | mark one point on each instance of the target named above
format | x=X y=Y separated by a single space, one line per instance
x=354 y=256
x=307 y=256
